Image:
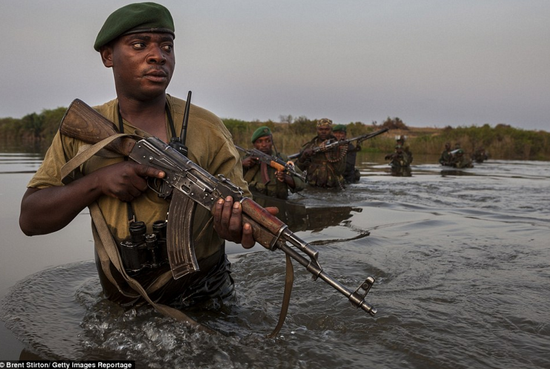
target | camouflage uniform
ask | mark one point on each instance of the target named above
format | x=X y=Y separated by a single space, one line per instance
x=324 y=169
x=458 y=159
x=406 y=150
x=399 y=159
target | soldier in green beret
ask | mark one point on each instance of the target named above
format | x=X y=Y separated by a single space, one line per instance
x=264 y=179
x=137 y=43
x=323 y=168
x=351 y=174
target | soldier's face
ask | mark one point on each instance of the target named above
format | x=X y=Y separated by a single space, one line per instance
x=264 y=144
x=324 y=132
x=143 y=64
x=340 y=135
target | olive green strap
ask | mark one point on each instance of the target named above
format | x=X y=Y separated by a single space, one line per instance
x=86 y=154
x=289 y=280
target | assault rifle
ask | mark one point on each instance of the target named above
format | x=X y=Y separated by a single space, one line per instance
x=273 y=161
x=333 y=144
x=188 y=184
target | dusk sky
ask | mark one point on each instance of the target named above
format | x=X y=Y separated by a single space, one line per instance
x=430 y=63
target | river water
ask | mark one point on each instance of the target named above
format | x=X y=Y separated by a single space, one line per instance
x=460 y=258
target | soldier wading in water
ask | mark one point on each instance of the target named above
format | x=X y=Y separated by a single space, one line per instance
x=323 y=168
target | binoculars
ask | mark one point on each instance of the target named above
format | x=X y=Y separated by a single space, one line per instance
x=144 y=250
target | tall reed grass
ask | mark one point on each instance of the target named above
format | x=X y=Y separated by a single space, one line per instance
x=501 y=141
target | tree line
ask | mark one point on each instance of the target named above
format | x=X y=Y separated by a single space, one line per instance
x=290 y=133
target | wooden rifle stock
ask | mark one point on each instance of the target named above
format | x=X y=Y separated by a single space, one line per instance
x=86 y=124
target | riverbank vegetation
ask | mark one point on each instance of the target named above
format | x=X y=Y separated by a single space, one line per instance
x=501 y=141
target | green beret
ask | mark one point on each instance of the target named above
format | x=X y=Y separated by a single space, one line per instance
x=261 y=132
x=339 y=127
x=135 y=18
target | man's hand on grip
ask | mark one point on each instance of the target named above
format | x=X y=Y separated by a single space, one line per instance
x=126 y=180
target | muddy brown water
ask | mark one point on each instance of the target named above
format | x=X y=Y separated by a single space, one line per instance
x=460 y=258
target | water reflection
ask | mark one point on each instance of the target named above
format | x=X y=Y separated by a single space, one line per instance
x=19 y=163
x=401 y=171
x=303 y=217
x=456 y=172
x=28 y=148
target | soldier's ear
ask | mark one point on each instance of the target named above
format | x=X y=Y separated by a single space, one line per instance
x=106 y=53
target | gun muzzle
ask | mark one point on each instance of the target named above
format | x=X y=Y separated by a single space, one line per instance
x=358 y=297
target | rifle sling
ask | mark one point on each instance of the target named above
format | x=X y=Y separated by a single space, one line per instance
x=86 y=154
x=289 y=280
x=108 y=251
x=252 y=172
x=265 y=174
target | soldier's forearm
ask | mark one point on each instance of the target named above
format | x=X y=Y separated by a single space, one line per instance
x=50 y=209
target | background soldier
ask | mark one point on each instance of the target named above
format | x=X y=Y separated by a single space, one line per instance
x=400 y=140
x=323 y=168
x=460 y=160
x=263 y=178
x=480 y=155
x=399 y=159
x=351 y=174
x=400 y=162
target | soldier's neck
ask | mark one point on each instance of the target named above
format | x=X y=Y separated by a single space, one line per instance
x=149 y=116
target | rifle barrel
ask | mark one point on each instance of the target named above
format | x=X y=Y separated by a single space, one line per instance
x=317 y=271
